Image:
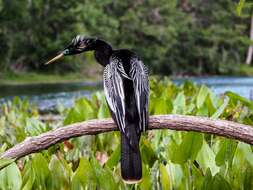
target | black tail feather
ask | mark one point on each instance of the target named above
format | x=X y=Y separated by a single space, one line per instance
x=131 y=166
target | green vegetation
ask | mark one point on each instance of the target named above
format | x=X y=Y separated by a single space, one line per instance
x=33 y=77
x=178 y=37
x=171 y=160
x=244 y=70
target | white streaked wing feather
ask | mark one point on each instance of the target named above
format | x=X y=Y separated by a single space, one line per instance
x=114 y=93
x=139 y=75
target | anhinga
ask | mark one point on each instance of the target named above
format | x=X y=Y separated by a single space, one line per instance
x=126 y=88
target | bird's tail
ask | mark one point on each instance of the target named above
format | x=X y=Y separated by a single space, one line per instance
x=131 y=167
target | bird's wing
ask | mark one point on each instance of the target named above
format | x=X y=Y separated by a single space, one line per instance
x=114 y=92
x=139 y=74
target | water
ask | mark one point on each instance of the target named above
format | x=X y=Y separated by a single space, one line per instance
x=48 y=96
x=240 y=85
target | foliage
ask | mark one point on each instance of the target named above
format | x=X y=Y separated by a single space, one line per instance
x=171 y=160
x=172 y=37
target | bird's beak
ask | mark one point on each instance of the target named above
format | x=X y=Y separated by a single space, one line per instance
x=55 y=58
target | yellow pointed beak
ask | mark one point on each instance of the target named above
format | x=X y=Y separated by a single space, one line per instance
x=55 y=58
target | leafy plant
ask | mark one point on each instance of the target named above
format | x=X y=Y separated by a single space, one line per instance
x=171 y=160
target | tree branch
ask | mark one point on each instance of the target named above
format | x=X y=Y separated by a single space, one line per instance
x=223 y=128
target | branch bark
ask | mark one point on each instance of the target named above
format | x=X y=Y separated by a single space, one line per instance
x=223 y=128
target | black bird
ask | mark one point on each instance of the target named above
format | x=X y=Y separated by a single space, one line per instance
x=126 y=88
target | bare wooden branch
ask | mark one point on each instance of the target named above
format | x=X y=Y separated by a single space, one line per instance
x=224 y=128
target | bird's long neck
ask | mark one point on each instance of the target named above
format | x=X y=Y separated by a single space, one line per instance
x=103 y=52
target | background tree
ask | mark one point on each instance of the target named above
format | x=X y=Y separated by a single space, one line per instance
x=173 y=37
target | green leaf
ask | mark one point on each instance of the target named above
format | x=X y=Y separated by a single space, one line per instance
x=179 y=104
x=219 y=182
x=104 y=176
x=61 y=174
x=28 y=177
x=42 y=173
x=209 y=104
x=201 y=97
x=206 y=159
x=4 y=162
x=247 y=181
x=114 y=158
x=176 y=174
x=226 y=152
x=164 y=178
x=162 y=105
x=246 y=152
x=235 y=97
x=216 y=182
x=239 y=7
x=189 y=148
x=203 y=111
x=10 y=178
x=84 y=176
x=220 y=110
x=81 y=111
x=147 y=153
x=197 y=176
x=207 y=180
x=146 y=182
x=103 y=111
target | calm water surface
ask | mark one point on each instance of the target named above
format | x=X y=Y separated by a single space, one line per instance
x=48 y=96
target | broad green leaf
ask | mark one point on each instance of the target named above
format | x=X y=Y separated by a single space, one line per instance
x=219 y=182
x=5 y=162
x=146 y=182
x=34 y=127
x=114 y=158
x=164 y=178
x=216 y=182
x=72 y=117
x=207 y=184
x=84 y=177
x=42 y=173
x=203 y=92
x=103 y=111
x=85 y=109
x=206 y=159
x=81 y=111
x=176 y=174
x=189 y=148
x=216 y=100
x=28 y=177
x=235 y=97
x=203 y=111
x=179 y=104
x=104 y=176
x=248 y=176
x=61 y=174
x=2 y=149
x=210 y=106
x=220 y=110
x=147 y=153
x=245 y=151
x=197 y=176
x=162 y=106
x=10 y=178
x=226 y=151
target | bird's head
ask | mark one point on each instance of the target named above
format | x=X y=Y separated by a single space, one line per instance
x=78 y=45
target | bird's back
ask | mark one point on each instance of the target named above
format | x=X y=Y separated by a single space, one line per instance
x=126 y=90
